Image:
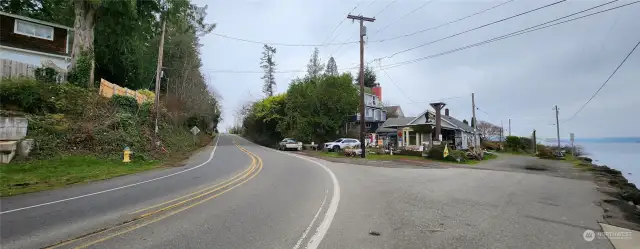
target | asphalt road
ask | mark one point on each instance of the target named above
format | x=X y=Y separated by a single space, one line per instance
x=249 y=196
x=269 y=208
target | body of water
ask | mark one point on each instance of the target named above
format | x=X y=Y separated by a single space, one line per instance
x=621 y=156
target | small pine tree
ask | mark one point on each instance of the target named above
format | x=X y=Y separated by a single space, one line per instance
x=268 y=64
x=332 y=67
x=315 y=67
x=369 y=77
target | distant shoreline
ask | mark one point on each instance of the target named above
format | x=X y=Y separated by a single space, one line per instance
x=596 y=140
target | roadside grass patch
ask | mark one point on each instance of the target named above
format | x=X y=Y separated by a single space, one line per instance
x=32 y=176
x=387 y=157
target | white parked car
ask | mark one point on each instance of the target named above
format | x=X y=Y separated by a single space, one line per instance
x=341 y=144
x=289 y=144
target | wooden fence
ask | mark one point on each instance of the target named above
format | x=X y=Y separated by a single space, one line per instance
x=10 y=69
x=14 y=69
x=108 y=89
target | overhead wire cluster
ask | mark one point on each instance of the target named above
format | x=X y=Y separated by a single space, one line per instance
x=533 y=28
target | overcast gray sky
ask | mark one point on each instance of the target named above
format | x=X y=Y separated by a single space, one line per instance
x=521 y=78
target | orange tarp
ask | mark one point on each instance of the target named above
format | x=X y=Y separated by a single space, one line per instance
x=108 y=89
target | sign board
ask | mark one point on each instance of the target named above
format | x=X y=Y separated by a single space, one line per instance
x=572 y=137
x=195 y=130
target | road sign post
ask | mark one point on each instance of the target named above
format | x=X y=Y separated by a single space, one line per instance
x=195 y=132
x=573 y=148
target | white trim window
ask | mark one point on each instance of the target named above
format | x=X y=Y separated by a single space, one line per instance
x=33 y=29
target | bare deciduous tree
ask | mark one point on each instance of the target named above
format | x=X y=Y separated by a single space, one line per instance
x=488 y=130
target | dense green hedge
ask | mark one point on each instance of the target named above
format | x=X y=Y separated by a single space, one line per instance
x=35 y=97
x=126 y=104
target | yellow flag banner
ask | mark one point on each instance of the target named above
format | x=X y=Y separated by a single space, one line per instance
x=446 y=151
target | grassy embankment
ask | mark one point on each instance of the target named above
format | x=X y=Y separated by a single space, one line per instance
x=387 y=157
x=80 y=136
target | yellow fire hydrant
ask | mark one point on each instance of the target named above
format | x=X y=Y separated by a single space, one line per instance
x=127 y=155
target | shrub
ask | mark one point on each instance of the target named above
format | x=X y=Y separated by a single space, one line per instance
x=437 y=152
x=526 y=143
x=490 y=145
x=456 y=156
x=79 y=75
x=22 y=94
x=46 y=75
x=147 y=93
x=513 y=143
x=409 y=153
x=33 y=96
x=125 y=103
x=545 y=152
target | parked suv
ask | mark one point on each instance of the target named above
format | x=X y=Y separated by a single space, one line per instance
x=341 y=144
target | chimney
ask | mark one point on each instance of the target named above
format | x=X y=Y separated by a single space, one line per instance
x=438 y=107
x=377 y=90
x=446 y=112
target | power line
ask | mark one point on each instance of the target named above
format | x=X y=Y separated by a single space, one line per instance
x=374 y=1
x=513 y=34
x=442 y=25
x=478 y=108
x=510 y=35
x=394 y=83
x=605 y=83
x=439 y=100
x=342 y=21
x=281 y=44
x=405 y=15
x=353 y=34
x=354 y=42
x=385 y=8
x=476 y=28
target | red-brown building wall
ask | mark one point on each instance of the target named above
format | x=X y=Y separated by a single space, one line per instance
x=10 y=39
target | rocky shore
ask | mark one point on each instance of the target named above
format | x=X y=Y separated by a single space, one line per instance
x=622 y=204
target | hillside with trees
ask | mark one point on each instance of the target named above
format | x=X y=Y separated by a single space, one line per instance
x=117 y=41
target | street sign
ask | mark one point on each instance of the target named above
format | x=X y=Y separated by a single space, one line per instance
x=572 y=137
x=195 y=130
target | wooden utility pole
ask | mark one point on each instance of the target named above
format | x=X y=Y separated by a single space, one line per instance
x=557 y=127
x=158 y=72
x=501 y=131
x=363 y=32
x=475 y=122
x=535 y=142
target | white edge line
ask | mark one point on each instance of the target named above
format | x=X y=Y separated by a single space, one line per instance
x=322 y=229
x=121 y=187
x=304 y=234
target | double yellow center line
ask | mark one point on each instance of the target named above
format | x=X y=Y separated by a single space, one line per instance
x=169 y=208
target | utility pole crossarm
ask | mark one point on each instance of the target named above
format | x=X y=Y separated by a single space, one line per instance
x=366 y=19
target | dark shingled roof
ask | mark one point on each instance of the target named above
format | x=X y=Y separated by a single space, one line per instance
x=458 y=123
x=391 y=124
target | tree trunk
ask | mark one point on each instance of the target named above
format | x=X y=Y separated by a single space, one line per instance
x=85 y=17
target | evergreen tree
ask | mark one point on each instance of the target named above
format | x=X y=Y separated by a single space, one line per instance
x=369 y=77
x=315 y=67
x=268 y=64
x=332 y=68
